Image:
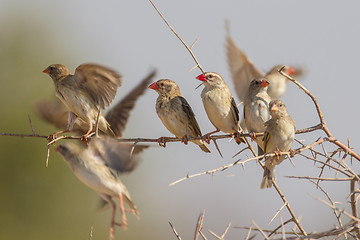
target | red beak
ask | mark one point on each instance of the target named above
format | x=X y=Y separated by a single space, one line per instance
x=154 y=86
x=291 y=71
x=264 y=83
x=274 y=108
x=201 y=77
x=46 y=71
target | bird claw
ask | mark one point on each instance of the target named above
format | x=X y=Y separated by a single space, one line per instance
x=238 y=139
x=252 y=136
x=162 y=141
x=292 y=153
x=207 y=138
x=184 y=140
x=51 y=137
x=84 y=139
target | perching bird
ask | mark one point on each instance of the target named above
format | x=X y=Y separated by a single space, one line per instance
x=98 y=166
x=279 y=136
x=220 y=105
x=175 y=112
x=256 y=109
x=90 y=88
x=243 y=71
x=56 y=113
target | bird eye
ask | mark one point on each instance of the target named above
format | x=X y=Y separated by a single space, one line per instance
x=161 y=84
x=280 y=105
x=210 y=76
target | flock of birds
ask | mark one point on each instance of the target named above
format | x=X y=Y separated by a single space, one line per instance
x=93 y=87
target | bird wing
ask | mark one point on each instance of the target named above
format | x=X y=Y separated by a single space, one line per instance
x=119 y=114
x=242 y=69
x=99 y=82
x=266 y=137
x=192 y=123
x=115 y=155
x=234 y=111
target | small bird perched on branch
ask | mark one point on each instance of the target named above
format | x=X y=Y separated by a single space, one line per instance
x=175 y=112
x=279 y=136
x=220 y=105
x=90 y=88
x=98 y=166
x=56 y=113
x=256 y=109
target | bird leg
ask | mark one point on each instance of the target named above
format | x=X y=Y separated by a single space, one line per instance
x=85 y=137
x=252 y=136
x=277 y=155
x=184 y=139
x=206 y=137
x=123 y=215
x=71 y=121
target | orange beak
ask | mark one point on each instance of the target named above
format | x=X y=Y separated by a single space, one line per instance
x=291 y=71
x=274 y=108
x=154 y=86
x=264 y=83
x=201 y=77
x=46 y=71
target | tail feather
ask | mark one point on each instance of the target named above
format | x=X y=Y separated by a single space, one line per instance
x=202 y=145
x=267 y=180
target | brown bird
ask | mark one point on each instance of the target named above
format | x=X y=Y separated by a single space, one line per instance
x=90 y=88
x=279 y=136
x=243 y=71
x=56 y=113
x=220 y=105
x=256 y=109
x=98 y=167
x=175 y=112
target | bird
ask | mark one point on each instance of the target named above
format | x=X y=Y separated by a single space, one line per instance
x=91 y=87
x=279 y=136
x=98 y=166
x=243 y=71
x=220 y=105
x=175 y=113
x=56 y=113
x=256 y=110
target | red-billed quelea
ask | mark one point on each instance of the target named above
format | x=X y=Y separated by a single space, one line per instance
x=56 y=113
x=220 y=105
x=175 y=112
x=279 y=136
x=256 y=109
x=90 y=88
x=243 y=71
x=98 y=166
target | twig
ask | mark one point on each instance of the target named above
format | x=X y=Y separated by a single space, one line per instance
x=31 y=125
x=277 y=212
x=223 y=235
x=177 y=35
x=262 y=232
x=91 y=233
x=321 y=117
x=174 y=230
x=199 y=225
x=321 y=179
x=354 y=205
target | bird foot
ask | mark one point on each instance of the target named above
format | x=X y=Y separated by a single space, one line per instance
x=207 y=138
x=51 y=137
x=292 y=153
x=162 y=141
x=84 y=139
x=238 y=139
x=252 y=136
x=184 y=140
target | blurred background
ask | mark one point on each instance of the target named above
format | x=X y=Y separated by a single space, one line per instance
x=37 y=202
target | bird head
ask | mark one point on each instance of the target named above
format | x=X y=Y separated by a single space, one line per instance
x=257 y=84
x=166 y=87
x=277 y=108
x=211 y=79
x=57 y=71
x=69 y=151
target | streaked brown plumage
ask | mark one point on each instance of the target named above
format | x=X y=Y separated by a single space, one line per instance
x=98 y=166
x=279 y=136
x=56 y=113
x=90 y=88
x=243 y=71
x=175 y=112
